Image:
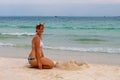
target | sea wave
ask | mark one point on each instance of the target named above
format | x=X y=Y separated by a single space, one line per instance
x=94 y=49
x=18 y=34
x=6 y=44
x=90 y=39
x=81 y=49
x=83 y=28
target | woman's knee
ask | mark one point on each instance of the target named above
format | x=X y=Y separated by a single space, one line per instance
x=51 y=65
x=47 y=62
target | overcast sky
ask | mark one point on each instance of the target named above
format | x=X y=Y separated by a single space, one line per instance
x=59 y=7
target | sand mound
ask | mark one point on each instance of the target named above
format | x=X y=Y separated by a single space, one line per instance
x=72 y=65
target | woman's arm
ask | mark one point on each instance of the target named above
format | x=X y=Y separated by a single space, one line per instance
x=38 y=51
x=42 y=53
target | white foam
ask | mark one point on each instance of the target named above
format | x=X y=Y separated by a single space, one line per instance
x=6 y=44
x=93 y=49
x=18 y=34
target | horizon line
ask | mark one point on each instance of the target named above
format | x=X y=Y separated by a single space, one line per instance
x=54 y=16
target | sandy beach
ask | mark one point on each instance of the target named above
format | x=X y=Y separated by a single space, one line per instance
x=19 y=69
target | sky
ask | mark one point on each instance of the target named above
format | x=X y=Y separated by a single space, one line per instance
x=59 y=7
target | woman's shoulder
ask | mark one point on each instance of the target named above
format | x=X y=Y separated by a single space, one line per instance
x=36 y=37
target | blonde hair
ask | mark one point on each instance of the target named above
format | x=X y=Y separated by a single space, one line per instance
x=39 y=26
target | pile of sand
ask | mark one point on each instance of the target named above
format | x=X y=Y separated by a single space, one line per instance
x=72 y=65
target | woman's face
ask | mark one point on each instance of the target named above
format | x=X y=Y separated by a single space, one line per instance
x=41 y=30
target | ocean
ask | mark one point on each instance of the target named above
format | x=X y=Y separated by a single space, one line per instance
x=76 y=34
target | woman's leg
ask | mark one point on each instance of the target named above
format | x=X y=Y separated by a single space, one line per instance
x=47 y=63
x=34 y=63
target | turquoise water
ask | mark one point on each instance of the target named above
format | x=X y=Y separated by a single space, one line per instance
x=87 y=34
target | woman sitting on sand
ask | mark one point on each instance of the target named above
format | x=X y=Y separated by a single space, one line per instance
x=36 y=57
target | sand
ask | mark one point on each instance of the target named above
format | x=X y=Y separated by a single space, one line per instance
x=19 y=69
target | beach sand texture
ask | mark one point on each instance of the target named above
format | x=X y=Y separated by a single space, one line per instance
x=19 y=69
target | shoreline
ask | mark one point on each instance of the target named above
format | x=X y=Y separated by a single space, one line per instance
x=22 y=71
x=59 y=55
